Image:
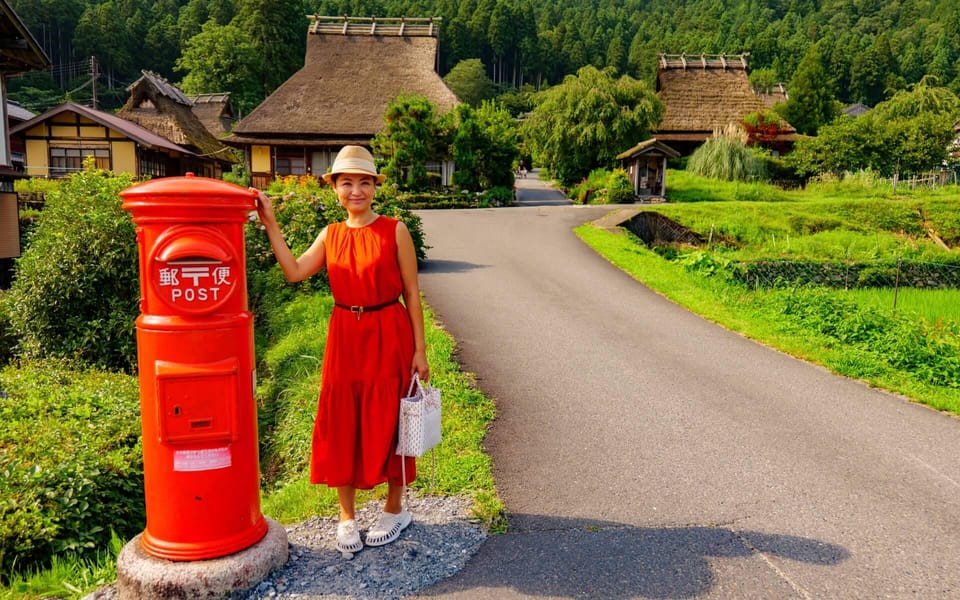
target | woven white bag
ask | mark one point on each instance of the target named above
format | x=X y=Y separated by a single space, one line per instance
x=419 y=426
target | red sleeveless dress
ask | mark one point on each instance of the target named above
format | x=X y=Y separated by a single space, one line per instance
x=366 y=363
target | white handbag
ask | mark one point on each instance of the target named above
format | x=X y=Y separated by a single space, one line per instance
x=419 y=423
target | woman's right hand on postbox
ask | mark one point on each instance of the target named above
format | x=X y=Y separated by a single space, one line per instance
x=265 y=208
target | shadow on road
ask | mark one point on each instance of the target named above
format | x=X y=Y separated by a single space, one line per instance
x=574 y=558
x=448 y=266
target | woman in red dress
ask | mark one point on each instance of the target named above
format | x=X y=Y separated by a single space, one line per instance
x=374 y=345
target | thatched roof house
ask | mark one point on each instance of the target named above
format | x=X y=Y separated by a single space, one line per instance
x=353 y=68
x=159 y=106
x=214 y=111
x=703 y=94
x=774 y=95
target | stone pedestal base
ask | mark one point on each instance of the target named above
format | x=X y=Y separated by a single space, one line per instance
x=144 y=577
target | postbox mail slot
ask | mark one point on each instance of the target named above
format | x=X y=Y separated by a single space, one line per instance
x=197 y=403
x=193 y=247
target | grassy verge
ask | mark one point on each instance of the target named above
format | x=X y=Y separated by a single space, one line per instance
x=773 y=317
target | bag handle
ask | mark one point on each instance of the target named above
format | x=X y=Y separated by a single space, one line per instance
x=414 y=382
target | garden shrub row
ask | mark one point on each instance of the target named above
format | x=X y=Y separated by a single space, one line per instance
x=71 y=461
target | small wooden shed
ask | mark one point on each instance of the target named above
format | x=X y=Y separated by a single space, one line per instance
x=646 y=164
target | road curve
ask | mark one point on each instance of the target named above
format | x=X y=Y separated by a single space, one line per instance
x=642 y=452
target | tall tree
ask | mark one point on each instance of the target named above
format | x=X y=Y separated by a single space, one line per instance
x=413 y=135
x=484 y=147
x=584 y=122
x=469 y=81
x=811 y=103
x=221 y=58
x=277 y=29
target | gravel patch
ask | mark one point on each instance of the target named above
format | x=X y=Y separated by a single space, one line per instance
x=436 y=545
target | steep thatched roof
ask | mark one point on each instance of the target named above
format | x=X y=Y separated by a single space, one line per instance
x=702 y=94
x=158 y=105
x=214 y=111
x=353 y=68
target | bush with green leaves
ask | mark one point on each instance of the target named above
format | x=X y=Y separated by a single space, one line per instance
x=71 y=463
x=602 y=186
x=929 y=352
x=619 y=188
x=497 y=196
x=76 y=293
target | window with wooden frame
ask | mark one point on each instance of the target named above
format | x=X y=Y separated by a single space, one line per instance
x=66 y=160
x=153 y=164
x=290 y=161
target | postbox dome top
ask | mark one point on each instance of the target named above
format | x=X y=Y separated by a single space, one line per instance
x=189 y=191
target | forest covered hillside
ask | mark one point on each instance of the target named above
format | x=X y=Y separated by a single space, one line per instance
x=869 y=49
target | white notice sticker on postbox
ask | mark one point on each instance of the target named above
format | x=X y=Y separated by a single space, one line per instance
x=201 y=460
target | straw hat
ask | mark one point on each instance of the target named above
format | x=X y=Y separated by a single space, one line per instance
x=354 y=159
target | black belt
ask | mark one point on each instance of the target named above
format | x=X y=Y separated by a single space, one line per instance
x=359 y=310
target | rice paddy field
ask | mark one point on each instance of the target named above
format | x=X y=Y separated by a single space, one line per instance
x=934 y=306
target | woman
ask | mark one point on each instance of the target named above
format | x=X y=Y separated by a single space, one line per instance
x=374 y=345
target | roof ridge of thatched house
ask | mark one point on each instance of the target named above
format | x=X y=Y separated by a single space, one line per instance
x=161 y=107
x=704 y=93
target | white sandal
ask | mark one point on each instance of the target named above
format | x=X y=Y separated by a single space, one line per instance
x=388 y=527
x=348 y=537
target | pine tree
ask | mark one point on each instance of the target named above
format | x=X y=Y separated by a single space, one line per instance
x=810 y=103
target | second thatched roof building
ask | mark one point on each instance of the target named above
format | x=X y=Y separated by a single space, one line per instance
x=353 y=68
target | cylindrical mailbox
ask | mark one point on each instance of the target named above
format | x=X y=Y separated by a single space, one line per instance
x=197 y=374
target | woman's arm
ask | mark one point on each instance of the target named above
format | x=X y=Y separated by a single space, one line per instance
x=407 y=258
x=294 y=269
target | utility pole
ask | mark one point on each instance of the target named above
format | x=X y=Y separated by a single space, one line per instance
x=93 y=79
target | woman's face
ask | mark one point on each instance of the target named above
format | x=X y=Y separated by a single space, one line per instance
x=355 y=191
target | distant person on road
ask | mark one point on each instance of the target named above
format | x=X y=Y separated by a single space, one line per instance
x=374 y=346
x=522 y=170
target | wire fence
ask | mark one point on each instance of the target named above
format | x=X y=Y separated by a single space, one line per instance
x=848 y=274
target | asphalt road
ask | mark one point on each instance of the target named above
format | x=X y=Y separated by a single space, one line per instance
x=642 y=452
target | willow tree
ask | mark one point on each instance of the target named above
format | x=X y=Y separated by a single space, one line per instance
x=584 y=122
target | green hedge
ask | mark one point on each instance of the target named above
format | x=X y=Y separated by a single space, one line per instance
x=71 y=463
x=76 y=293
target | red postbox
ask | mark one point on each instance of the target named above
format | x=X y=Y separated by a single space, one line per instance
x=197 y=377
